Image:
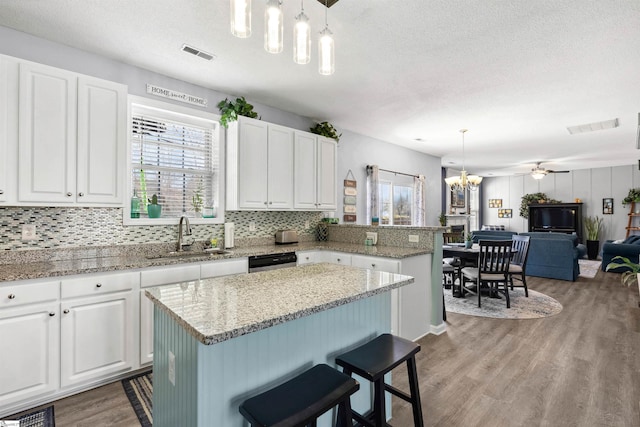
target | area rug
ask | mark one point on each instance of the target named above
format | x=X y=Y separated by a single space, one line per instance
x=589 y=268
x=41 y=418
x=537 y=305
x=139 y=390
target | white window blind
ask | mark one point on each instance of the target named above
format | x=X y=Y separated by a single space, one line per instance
x=175 y=157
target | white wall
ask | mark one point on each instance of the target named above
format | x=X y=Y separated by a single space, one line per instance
x=356 y=151
x=590 y=185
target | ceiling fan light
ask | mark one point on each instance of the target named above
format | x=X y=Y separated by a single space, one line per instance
x=273 y=27
x=241 y=18
x=537 y=174
x=302 y=40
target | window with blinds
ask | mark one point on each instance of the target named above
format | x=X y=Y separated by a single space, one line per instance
x=175 y=157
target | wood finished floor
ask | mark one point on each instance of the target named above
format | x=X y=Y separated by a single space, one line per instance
x=578 y=368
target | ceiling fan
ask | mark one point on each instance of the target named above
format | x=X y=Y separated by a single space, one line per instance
x=539 y=172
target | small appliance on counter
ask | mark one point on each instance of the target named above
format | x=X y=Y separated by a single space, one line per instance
x=284 y=237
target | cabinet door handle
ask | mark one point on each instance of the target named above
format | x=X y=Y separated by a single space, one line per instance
x=98 y=285
x=65 y=311
x=373 y=265
x=12 y=296
x=270 y=203
x=81 y=194
x=1 y=191
x=265 y=203
x=69 y=194
x=338 y=259
x=52 y=314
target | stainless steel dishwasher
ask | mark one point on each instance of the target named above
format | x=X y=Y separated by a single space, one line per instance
x=272 y=261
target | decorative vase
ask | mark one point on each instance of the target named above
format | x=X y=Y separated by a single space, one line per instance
x=468 y=244
x=592 y=248
x=154 y=211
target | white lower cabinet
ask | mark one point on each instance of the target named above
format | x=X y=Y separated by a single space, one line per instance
x=97 y=326
x=30 y=353
x=312 y=257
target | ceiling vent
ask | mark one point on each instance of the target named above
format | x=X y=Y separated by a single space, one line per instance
x=590 y=127
x=197 y=52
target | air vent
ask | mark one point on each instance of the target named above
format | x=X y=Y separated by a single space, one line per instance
x=590 y=127
x=197 y=52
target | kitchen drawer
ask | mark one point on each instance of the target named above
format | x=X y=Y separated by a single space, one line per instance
x=340 y=258
x=18 y=294
x=376 y=263
x=93 y=285
x=223 y=268
x=166 y=275
x=310 y=257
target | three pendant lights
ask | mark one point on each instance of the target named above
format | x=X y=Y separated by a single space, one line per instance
x=273 y=33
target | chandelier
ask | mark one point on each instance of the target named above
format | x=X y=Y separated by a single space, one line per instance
x=463 y=181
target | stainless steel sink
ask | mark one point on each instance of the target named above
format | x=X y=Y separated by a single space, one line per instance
x=187 y=254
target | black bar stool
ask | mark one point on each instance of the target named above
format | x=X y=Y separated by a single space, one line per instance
x=372 y=361
x=302 y=399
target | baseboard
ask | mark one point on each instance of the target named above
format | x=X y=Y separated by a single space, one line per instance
x=439 y=329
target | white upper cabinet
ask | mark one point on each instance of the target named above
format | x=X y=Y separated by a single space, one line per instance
x=72 y=137
x=315 y=172
x=259 y=166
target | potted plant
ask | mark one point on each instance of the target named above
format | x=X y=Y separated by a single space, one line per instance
x=631 y=274
x=153 y=208
x=528 y=199
x=468 y=240
x=326 y=129
x=230 y=110
x=442 y=218
x=593 y=226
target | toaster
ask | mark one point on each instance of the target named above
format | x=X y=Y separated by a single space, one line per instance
x=286 y=236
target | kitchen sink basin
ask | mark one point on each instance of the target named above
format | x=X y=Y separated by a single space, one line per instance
x=187 y=254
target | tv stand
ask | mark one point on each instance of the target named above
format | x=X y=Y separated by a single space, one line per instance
x=574 y=226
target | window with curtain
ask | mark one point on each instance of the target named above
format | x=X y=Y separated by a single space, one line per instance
x=176 y=157
x=396 y=203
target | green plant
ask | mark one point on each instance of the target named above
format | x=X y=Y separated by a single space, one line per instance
x=528 y=199
x=153 y=200
x=442 y=218
x=326 y=129
x=628 y=277
x=592 y=224
x=196 y=200
x=230 y=110
x=468 y=237
x=632 y=196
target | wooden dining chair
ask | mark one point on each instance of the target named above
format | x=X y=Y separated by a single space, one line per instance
x=492 y=270
x=518 y=264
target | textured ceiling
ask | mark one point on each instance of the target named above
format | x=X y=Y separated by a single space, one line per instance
x=514 y=73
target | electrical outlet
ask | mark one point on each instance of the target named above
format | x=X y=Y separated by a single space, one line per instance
x=414 y=238
x=306 y=224
x=29 y=232
x=172 y=368
x=252 y=226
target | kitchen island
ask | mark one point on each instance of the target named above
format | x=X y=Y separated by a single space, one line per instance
x=219 y=341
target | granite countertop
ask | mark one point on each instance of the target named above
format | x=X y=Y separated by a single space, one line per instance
x=96 y=260
x=218 y=309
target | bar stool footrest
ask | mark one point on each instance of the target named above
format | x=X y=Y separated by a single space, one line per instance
x=401 y=394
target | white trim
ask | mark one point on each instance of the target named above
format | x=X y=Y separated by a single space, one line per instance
x=437 y=330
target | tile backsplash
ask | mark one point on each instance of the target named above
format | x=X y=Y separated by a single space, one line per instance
x=73 y=227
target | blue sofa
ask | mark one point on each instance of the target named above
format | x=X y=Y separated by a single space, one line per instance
x=478 y=235
x=628 y=248
x=553 y=255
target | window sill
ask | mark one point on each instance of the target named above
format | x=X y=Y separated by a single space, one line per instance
x=127 y=221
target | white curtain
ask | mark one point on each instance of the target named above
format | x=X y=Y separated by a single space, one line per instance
x=418 y=210
x=373 y=189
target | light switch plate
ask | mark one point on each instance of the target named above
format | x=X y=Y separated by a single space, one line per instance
x=252 y=226
x=414 y=238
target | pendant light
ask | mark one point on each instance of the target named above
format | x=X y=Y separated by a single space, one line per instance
x=326 y=48
x=241 y=18
x=463 y=181
x=273 y=27
x=302 y=38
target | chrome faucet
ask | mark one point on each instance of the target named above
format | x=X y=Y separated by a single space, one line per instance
x=180 y=235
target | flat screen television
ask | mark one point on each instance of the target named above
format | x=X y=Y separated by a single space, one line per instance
x=553 y=218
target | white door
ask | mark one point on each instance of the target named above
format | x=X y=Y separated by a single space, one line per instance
x=47 y=134
x=30 y=353
x=96 y=337
x=102 y=130
x=252 y=164
x=280 y=168
x=327 y=170
x=305 y=173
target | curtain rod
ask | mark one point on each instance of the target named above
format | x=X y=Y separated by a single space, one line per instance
x=395 y=172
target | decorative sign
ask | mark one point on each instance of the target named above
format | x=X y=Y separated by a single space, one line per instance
x=349 y=209
x=495 y=203
x=505 y=213
x=349 y=218
x=176 y=96
x=350 y=193
x=350 y=200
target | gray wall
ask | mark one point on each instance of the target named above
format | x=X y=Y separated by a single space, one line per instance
x=356 y=151
x=589 y=185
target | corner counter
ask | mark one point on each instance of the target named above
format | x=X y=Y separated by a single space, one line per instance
x=219 y=341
